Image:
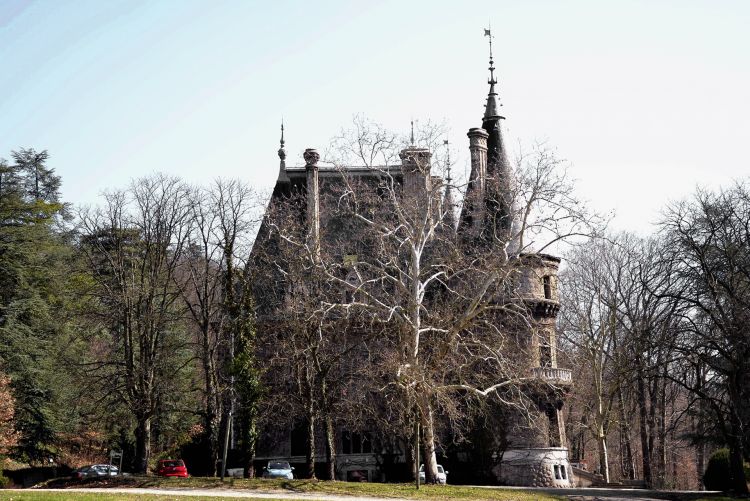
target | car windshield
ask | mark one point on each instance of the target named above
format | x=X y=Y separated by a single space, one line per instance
x=440 y=469
x=278 y=466
x=172 y=464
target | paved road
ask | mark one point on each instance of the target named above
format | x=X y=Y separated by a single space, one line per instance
x=590 y=494
x=595 y=493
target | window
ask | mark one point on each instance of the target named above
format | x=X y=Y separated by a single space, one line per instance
x=557 y=471
x=356 y=443
x=299 y=439
x=562 y=472
x=547 y=282
x=545 y=355
x=352 y=279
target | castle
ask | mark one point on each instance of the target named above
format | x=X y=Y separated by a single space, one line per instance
x=524 y=446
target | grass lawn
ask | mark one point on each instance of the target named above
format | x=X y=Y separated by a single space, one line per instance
x=80 y=496
x=321 y=488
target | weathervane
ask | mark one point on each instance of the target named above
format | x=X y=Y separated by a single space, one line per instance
x=412 y=132
x=488 y=33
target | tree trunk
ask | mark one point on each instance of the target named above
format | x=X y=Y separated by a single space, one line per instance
x=601 y=440
x=662 y=434
x=736 y=466
x=212 y=412
x=736 y=452
x=428 y=444
x=142 y=444
x=627 y=462
x=310 y=459
x=643 y=414
x=250 y=441
x=330 y=449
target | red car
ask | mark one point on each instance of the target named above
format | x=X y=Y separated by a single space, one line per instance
x=172 y=468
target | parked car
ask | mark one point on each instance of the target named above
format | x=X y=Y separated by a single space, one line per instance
x=172 y=468
x=442 y=475
x=95 y=470
x=278 y=469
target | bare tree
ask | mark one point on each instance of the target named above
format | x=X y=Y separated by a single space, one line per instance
x=454 y=312
x=212 y=283
x=134 y=244
x=589 y=322
x=708 y=241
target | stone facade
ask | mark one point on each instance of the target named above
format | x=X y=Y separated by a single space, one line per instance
x=528 y=446
x=535 y=467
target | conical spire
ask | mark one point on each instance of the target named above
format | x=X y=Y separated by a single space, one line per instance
x=449 y=206
x=491 y=109
x=282 y=156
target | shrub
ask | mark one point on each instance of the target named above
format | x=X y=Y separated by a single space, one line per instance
x=4 y=481
x=718 y=475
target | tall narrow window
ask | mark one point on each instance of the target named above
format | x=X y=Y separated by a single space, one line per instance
x=545 y=355
x=346 y=442
x=356 y=443
x=352 y=280
x=546 y=280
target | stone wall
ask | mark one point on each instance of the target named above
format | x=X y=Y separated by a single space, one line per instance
x=540 y=467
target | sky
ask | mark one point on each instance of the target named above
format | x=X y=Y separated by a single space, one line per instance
x=645 y=99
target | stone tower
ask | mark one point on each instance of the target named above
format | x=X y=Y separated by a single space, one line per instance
x=534 y=444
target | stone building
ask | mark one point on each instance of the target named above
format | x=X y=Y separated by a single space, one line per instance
x=518 y=448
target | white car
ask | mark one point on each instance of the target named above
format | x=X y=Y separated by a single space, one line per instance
x=278 y=469
x=442 y=475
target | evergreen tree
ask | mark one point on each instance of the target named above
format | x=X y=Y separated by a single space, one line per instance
x=32 y=260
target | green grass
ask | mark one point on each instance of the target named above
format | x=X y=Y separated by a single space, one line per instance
x=322 y=488
x=81 y=496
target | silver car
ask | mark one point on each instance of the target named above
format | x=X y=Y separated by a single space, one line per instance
x=278 y=469
x=95 y=470
x=442 y=475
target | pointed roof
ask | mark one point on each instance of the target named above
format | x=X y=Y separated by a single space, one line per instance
x=282 y=157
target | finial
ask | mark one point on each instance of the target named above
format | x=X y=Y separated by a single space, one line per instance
x=447 y=161
x=412 y=132
x=491 y=81
x=282 y=152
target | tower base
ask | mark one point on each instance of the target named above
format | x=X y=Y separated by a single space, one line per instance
x=537 y=467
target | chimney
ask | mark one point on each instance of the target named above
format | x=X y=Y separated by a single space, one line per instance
x=478 y=150
x=311 y=157
x=415 y=164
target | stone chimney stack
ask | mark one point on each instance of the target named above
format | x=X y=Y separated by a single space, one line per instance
x=415 y=164
x=311 y=157
x=478 y=150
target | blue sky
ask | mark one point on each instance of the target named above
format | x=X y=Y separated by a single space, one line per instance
x=646 y=99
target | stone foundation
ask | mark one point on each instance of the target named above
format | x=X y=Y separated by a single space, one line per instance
x=540 y=467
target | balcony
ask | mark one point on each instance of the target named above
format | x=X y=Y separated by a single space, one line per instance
x=552 y=374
